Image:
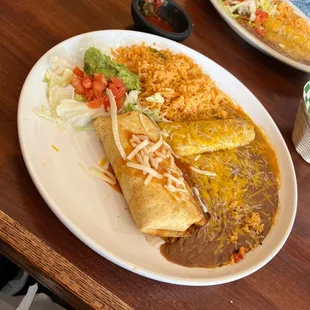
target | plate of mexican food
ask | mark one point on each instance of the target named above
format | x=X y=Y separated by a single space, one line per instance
x=157 y=158
x=276 y=27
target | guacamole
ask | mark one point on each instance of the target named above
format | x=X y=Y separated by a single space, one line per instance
x=97 y=62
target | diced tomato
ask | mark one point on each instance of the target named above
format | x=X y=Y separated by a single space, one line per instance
x=87 y=82
x=77 y=85
x=260 y=31
x=78 y=72
x=106 y=102
x=117 y=82
x=117 y=87
x=112 y=87
x=119 y=93
x=89 y=93
x=119 y=103
x=257 y=22
x=158 y=4
x=238 y=257
x=96 y=103
x=101 y=78
x=227 y=2
x=98 y=89
x=262 y=14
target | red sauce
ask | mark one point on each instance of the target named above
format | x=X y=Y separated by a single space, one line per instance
x=159 y=22
x=149 y=9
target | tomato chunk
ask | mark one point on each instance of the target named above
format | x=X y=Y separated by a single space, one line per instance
x=120 y=103
x=106 y=102
x=98 y=88
x=119 y=93
x=89 y=93
x=77 y=71
x=101 y=78
x=87 y=82
x=77 y=85
x=117 y=87
x=96 y=103
x=112 y=87
x=118 y=83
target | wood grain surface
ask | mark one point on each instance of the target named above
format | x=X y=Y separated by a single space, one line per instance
x=34 y=254
x=35 y=238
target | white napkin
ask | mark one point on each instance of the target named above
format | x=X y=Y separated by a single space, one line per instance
x=30 y=301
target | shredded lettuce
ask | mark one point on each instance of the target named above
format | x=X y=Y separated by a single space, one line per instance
x=64 y=105
x=58 y=65
x=77 y=114
x=58 y=93
x=241 y=8
x=132 y=104
x=268 y=6
x=79 y=98
x=157 y=98
x=59 y=74
x=53 y=79
x=248 y=8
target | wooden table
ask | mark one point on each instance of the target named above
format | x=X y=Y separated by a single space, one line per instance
x=58 y=259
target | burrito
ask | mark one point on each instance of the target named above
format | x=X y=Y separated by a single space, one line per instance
x=190 y=138
x=159 y=199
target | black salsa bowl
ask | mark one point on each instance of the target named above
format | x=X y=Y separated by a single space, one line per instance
x=172 y=13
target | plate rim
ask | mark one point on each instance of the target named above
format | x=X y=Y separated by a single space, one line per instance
x=258 y=44
x=88 y=241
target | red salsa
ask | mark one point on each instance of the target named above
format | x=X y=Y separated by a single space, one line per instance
x=159 y=22
x=149 y=10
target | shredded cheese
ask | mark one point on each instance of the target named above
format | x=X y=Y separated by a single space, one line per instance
x=148 y=179
x=114 y=123
x=204 y=172
x=139 y=158
x=156 y=145
x=134 y=138
x=142 y=121
x=103 y=175
x=197 y=157
x=158 y=159
x=149 y=156
x=170 y=149
x=173 y=178
x=197 y=194
x=138 y=148
x=173 y=189
x=149 y=170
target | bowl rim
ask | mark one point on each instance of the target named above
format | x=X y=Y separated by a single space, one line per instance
x=159 y=31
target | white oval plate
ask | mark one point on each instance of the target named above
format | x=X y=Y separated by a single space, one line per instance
x=92 y=210
x=251 y=39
